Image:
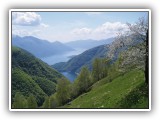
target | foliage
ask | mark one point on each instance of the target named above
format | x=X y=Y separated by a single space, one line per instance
x=32 y=103
x=99 y=70
x=46 y=85
x=84 y=80
x=46 y=103
x=53 y=101
x=19 y=101
x=23 y=83
x=63 y=91
x=134 y=57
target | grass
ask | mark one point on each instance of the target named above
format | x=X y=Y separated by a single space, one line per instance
x=115 y=94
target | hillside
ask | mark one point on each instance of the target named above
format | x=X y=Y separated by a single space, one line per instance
x=31 y=75
x=125 y=91
x=85 y=58
x=39 y=48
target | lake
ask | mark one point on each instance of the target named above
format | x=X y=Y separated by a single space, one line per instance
x=70 y=76
x=63 y=58
x=51 y=60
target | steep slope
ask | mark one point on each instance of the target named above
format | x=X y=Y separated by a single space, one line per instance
x=22 y=82
x=86 y=58
x=39 y=48
x=129 y=87
x=88 y=44
x=32 y=76
x=32 y=65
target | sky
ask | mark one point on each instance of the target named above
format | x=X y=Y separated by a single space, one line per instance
x=71 y=26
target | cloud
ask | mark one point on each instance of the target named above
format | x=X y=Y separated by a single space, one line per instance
x=26 y=18
x=23 y=32
x=44 y=25
x=104 y=31
x=83 y=31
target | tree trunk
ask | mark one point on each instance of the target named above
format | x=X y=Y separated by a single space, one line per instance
x=147 y=60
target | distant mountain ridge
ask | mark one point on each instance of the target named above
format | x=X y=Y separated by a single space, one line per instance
x=87 y=44
x=38 y=47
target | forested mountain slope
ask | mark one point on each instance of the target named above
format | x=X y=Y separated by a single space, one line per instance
x=32 y=76
x=85 y=58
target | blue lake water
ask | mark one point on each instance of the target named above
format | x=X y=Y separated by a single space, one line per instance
x=51 y=60
x=70 y=76
x=63 y=58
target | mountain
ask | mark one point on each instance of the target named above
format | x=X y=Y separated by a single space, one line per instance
x=111 y=50
x=39 y=48
x=32 y=76
x=87 y=44
x=85 y=58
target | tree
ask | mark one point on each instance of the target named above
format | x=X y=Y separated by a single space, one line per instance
x=96 y=71
x=46 y=103
x=19 y=101
x=53 y=101
x=63 y=91
x=141 y=29
x=136 y=55
x=84 y=80
x=100 y=68
x=32 y=101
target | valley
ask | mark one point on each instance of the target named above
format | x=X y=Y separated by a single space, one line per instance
x=107 y=73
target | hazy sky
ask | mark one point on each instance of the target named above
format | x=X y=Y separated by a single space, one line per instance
x=69 y=26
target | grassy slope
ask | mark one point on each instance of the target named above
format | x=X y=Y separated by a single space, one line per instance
x=112 y=95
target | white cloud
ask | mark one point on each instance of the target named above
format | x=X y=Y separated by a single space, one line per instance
x=83 y=31
x=23 y=32
x=26 y=19
x=103 y=31
x=44 y=25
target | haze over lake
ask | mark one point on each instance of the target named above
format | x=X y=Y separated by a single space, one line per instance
x=62 y=57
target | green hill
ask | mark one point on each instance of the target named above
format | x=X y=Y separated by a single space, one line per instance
x=32 y=65
x=126 y=91
x=22 y=82
x=32 y=76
